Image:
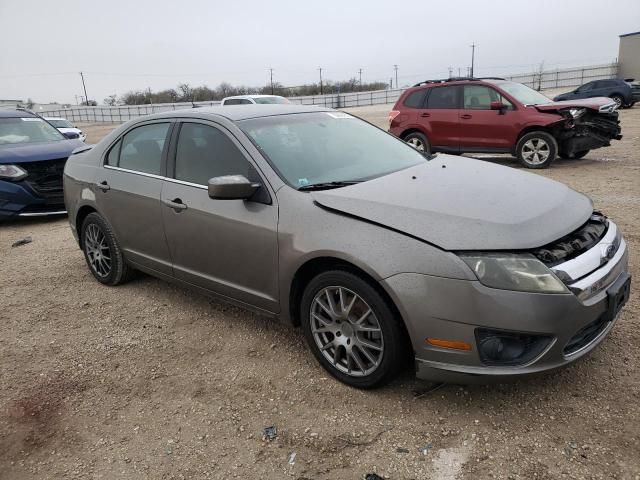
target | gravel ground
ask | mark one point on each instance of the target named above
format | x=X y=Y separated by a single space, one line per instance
x=148 y=380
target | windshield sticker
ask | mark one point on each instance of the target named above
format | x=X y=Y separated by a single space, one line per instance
x=338 y=115
x=302 y=182
x=30 y=119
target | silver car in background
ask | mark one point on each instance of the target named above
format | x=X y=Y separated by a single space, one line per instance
x=312 y=216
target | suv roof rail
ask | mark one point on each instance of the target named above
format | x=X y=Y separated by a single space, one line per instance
x=456 y=79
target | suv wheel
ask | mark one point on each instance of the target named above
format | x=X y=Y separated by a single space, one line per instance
x=419 y=141
x=351 y=329
x=102 y=253
x=574 y=155
x=618 y=99
x=536 y=150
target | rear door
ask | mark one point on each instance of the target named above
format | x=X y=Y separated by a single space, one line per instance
x=128 y=193
x=483 y=129
x=439 y=117
x=229 y=247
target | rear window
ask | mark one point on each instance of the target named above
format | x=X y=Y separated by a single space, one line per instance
x=415 y=99
x=271 y=100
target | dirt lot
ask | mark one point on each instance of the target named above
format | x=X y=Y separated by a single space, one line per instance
x=151 y=381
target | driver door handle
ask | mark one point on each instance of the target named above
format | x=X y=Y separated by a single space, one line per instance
x=466 y=116
x=103 y=185
x=425 y=114
x=176 y=204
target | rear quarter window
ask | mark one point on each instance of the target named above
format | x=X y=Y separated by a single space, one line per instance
x=415 y=99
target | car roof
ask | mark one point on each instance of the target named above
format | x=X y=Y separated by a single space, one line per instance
x=242 y=112
x=15 y=114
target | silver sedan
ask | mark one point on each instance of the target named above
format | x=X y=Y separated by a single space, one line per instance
x=378 y=252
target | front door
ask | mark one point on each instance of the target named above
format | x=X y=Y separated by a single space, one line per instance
x=229 y=247
x=128 y=194
x=483 y=129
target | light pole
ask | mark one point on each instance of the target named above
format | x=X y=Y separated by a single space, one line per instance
x=473 y=54
x=320 y=70
x=271 y=77
x=395 y=67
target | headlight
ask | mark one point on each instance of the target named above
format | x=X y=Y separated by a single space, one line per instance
x=576 y=112
x=12 y=172
x=520 y=272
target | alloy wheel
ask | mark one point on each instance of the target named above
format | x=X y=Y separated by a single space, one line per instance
x=535 y=151
x=416 y=143
x=346 y=330
x=97 y=249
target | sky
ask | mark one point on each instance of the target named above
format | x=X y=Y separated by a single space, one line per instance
x=124 y=45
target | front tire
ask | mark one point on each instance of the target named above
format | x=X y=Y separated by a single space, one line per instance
x=102 y=252
x=351 y=330
x=536 y=149
x=419 y=141
x=618 y=99
x=575 y=155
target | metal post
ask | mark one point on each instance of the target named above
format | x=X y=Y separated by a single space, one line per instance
x=395 y=67
x=85 y=89
x=360 y=72
x=271 y=76
x=320 y=69
x=473 y=54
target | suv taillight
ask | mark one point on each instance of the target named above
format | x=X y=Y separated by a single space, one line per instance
x=393 y=114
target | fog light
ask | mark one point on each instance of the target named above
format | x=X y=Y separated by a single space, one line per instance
x=508 y=348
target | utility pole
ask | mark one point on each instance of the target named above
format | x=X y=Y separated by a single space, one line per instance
x=360 y=72
x=458 y=71
x=473 y=54
x=390 y=83
x=450 y=72
x=86 y=99
x=468 y=71
x=320 y=70
x=76 y=99
x=395 y=67
x=271 y=76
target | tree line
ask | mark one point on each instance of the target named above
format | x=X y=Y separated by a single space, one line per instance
x=186 y=93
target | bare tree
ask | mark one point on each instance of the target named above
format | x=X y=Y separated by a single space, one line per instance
x=111 y=100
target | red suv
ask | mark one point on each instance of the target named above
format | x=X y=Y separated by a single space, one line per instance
x=493 y=115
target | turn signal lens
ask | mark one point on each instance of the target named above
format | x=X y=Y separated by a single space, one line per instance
x=456 y=345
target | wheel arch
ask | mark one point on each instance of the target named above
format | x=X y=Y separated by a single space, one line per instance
x=314 y=266
x=411 y=130
x=82 y=213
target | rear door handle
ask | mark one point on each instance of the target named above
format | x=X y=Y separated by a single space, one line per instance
x=103 y=185
x=425 y=114
x=466 y=116
x=176 y=204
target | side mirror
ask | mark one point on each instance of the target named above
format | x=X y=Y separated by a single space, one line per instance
x=71 y=135
x=497 y=106
x=232 y=187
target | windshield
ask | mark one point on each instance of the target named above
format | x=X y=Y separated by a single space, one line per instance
x=319 y=147
x=522 y=93
x=270 y=100
x=27 y=130
x=61 y=123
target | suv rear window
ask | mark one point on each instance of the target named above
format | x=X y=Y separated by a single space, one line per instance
x=415 y=99
x=443 y=97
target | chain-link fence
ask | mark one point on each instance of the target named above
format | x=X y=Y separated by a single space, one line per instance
x=562 y=78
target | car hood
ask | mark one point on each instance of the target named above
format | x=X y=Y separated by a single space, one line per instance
x=32 y=152
x=593 y=103
x=460 y=203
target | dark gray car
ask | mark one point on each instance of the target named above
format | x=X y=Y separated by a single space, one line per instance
x=379 y=253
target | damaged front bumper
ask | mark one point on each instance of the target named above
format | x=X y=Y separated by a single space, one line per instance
x=589 y=131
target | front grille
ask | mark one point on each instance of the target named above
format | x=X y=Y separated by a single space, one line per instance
x=586 y=335
x=574 y=244
x=45 y=178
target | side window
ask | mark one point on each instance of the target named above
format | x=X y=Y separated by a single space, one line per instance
x=204 y=152
x=586 y=87
x=142 y=148
x=443 y=97
x=415 y=99
x=114 y=153
x=479 y=97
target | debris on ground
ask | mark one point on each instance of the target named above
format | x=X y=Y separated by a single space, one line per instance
x=426 y=449
x=373 y=476
x=402 y=450
x=22 y=241
x=292 y=458
x=421 y=393
x=269 y=433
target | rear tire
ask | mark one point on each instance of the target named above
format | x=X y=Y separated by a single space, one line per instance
x=575 y=155
x=344 y=317
x=536 y=149
x=102 y=252
x=419 y=141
